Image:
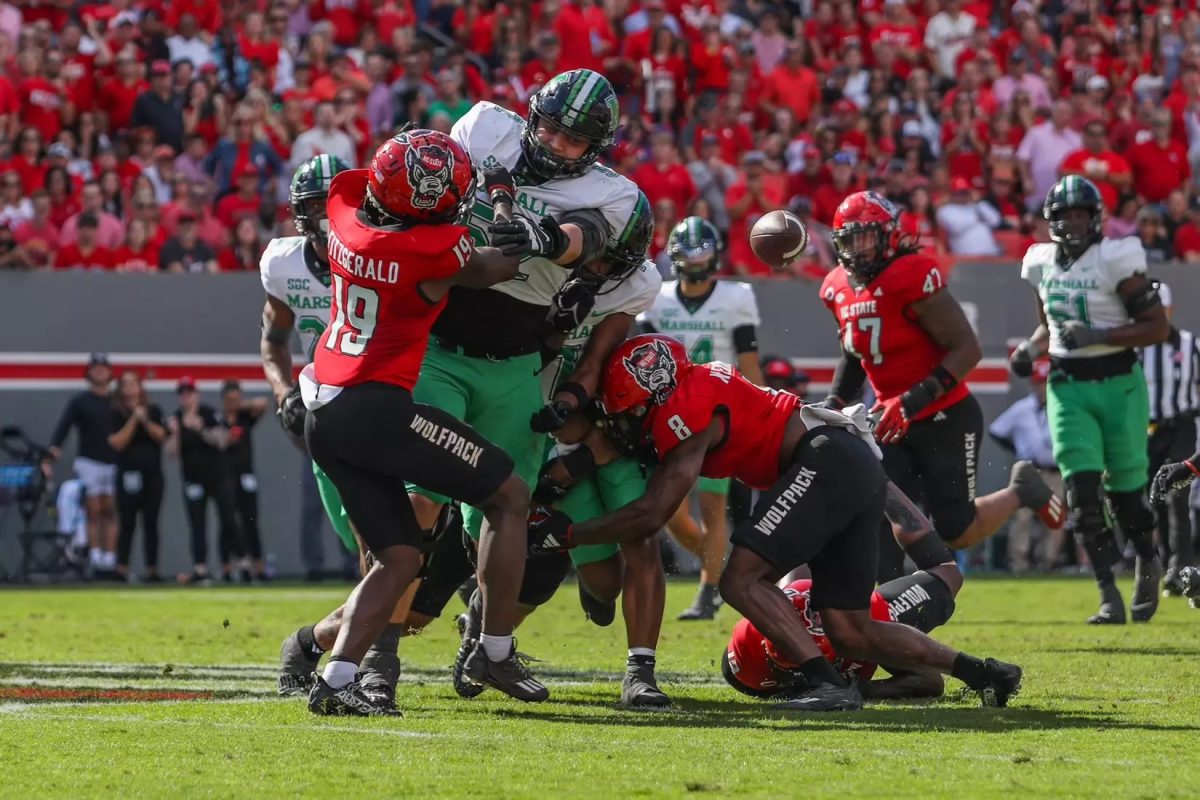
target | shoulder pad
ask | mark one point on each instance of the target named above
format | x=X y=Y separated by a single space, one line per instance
x=1123 y=251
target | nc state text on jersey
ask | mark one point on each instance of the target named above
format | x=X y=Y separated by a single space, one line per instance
x=366 y=268
x=857 y=309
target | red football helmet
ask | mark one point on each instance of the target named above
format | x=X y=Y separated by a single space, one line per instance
x=421 y=176
x=866 y=234
x=645 y=369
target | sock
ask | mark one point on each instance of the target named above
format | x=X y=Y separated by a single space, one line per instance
x=497 y=648
x=818 y=670
x=640 y=657
x=707 y=595
x=110 y=560
x=308 y=642
x=643 y=652
x=381 y=656
x=94 y=556
x=969 y=670
x=339 y=672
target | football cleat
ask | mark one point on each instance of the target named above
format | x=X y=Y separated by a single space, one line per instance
x=1034 y=493
x=1004 y=682
x=1170 y=585
x=1112 y=608
x=296 y=666
x=469 y=624
x=376 y=688
x=639 y=688
x=1146 y=577
x=509 y=675
x=600 y=612
x=1189 y=582
x=348 y=701
x=824 y=697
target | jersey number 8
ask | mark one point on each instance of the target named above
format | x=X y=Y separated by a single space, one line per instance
x=679 y=427
x=355 y=309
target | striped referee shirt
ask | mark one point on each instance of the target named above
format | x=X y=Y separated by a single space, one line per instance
x=1173 y=376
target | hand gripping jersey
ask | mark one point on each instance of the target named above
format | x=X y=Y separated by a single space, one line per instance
x=380 y=320
x=876 y=326
x=492 y=137
x=285 y=273
x=632 y=296
x=755 y=419
x=747 y=650
x=707 y=332
x=1084 y=290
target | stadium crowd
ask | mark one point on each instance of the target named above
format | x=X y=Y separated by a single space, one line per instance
x=139 y=135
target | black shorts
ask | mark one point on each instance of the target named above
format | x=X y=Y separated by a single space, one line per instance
x=372 y=438
x=921 y=600
x=824 y=511
x=936 y=465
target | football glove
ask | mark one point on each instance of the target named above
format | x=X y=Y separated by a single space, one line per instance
x=550 y=417
x=891 y=423
x=524 y=237
x=1077 y=334
x=549 y=530
x=292 y=412
x=1021 y=360
x=571 y=305
x=1172 y=478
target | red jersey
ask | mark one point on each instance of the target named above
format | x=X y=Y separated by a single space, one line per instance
x=379 y=319
x=747 y=650
x=755 y=419
x=876 y=326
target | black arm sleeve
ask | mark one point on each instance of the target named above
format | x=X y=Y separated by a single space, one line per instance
x=595 y=231
x=745 y=339
x=64 y=423
x=848 y=378
x=645 y=327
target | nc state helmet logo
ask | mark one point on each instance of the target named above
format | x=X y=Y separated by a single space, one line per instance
x=653 y=368
x=430 y=167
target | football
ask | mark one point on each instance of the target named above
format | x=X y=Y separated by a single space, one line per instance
x=778 y=239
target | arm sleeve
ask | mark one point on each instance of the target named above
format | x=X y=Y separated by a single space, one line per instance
x=745 y=339
x=848 y=378
x=595 y=230
x=64 y=424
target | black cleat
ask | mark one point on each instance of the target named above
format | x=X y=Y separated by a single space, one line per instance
x=1171 y=587
x=824 y=697
x=296 y=667
x=1004 y=682
x=1189 y=582
x=509 y=675
x=348 y=701
x=600 y=612
x=639 y=689
x=376 y=688
x=1112 y=608
x=1146 y=577
x=469 y=624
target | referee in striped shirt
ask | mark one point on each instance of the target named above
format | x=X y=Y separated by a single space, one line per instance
x=1173 y=379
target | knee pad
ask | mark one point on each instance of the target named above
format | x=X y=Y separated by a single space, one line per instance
x=921 y=600
x=952 y=522
x=1083 y=498
x=543 y=574
x=1132 y=513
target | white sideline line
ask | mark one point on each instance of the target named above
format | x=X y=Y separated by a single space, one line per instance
x=126 y=719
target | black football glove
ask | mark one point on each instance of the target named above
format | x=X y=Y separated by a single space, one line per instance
x=571 y=305
x=524 y=237
x=1078 y=334
x=549 y=530
x=578 y=464
x=1172 y=478
x=550 y=417
x=1021 y=360
x=292 y=412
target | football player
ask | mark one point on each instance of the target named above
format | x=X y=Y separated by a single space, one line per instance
x=396 y=248
x=902 y=329
x=1095 y=306
x=824 y=494
x=716 y=320
x=1169 y=479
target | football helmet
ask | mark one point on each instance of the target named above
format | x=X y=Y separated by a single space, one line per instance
x=866 y=234
x=628 y=251
x=581 y=102
x=1076 y=236
x=420 y=177
x=307 y=195
x=694 y=248
x=644 y=370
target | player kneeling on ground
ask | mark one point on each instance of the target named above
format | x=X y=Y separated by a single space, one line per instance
x=396 y=246
x=824 y=497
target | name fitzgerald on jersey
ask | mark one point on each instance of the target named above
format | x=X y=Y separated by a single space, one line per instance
x=366 y=268
x=447 y=440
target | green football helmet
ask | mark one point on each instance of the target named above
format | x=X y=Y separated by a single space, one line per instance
x=1074 y=237
x=694 y=248
x=307 y=195
x=584 y=104
x=627 y=252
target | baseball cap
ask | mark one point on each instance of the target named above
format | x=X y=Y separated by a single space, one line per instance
x=960 y=184
x=246 y=169
x=779 y=368
x=186 y=384
x=160 y=67
x=59 y=150
x=844 y=106
x=231 y=385
x=1097 y=82
x=164 y=151
x=911 y=128
x=754 y=157
x=98 y=359
x=208 y=68
x=187 y=216
x=1023 y=7
x=843 y=157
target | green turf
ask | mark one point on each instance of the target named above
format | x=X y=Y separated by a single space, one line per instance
x=1106 y=712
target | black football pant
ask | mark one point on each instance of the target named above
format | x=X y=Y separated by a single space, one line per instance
x=196 y=497
x=139 y=494
x=246 y=498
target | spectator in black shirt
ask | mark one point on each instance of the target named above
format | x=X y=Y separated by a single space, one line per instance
x=199 y=439
x=161 y=108
x=137 y=435
x=186 y=252
x=239 y=416
x=95 y=464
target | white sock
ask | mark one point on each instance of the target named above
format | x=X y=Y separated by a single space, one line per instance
x=110 y=560
x=496 y=647
x=95 y=555
x=641 y=651
x=339 y=673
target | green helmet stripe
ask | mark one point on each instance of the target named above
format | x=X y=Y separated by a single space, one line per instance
x=639 y=208
x=581 y=96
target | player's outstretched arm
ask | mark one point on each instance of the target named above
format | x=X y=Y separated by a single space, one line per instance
x=486 y=267
x=848 y=379
x=277 y=323
x=1022 y=358
x=604 y=339
x=1142 y=303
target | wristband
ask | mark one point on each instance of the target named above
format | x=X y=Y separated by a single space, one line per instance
x=944 y=377
x=575 y=390
x=1195 y=470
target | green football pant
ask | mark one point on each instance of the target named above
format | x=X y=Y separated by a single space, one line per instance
x=334 y=509
x=1100 y=426
x=614 y=485
x=715 y=485
x=496 y=398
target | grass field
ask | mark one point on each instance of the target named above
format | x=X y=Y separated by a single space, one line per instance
x=170 y=692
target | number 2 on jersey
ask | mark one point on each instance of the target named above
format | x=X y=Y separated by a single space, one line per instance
x=873 y=326
x=355 y=309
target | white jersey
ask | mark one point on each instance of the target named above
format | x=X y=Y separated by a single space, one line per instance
x=492 y=137
x=286 y=277
x=632 y=296
x=1085 y=290
x=707 y=332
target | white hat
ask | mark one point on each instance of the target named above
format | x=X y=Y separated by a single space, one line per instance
x=1097 y=82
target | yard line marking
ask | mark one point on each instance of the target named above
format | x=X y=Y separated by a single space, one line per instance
x=126 y=719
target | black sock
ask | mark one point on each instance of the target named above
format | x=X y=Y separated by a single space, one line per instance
x=707 y=595
x=818 y=670
x=970 y=670
x=308 y=642
x=1143 y=545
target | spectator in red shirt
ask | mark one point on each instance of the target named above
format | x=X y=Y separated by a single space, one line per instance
x=1187 y=240
x=244 y=201
x=793 y=85
x=63 y=203
x=1159 y=164
x=137 y=253
x=247 y=248
x=712 y=59
x=829 y=196
x=119 y=94
x=85 y=252
x=746 y=201
x=27 y=163
x=38 y=237
x=1096 y=162
x=664 y=176
x=546 y=65
x=43 y=93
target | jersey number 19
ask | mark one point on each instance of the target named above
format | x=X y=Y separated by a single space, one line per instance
x=355 y=309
